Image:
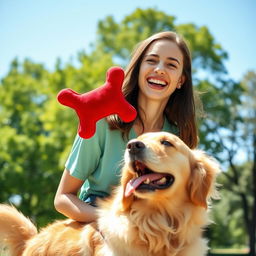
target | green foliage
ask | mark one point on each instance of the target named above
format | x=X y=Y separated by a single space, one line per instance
x=119 y=39
x=207 y=54
x=239 y=180
x=229 y=227
x=37 y=132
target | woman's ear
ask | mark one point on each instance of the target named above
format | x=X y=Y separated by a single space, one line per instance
x=181 y=81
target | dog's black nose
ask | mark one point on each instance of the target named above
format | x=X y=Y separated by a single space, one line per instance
x=135 y=146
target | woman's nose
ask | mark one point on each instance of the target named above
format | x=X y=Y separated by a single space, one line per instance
x=160 y=69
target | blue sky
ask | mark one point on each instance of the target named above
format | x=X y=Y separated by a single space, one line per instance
x=44 y=30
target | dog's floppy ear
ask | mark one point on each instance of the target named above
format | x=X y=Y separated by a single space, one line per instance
x=202 y=186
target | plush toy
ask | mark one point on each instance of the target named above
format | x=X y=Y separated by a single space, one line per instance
x=101 y=102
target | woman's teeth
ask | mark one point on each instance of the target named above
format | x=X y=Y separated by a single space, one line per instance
x=157 y=82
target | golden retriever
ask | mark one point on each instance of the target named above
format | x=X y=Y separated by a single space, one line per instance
x=159 y=209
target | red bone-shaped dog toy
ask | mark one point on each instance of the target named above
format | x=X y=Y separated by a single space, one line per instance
x=99 y=103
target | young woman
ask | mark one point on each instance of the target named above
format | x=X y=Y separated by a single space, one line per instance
x=158 y=84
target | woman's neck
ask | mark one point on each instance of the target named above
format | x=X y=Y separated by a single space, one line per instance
x=152 y=116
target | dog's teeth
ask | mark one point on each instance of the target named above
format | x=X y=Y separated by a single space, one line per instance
x=162 y=181
x=147 y=181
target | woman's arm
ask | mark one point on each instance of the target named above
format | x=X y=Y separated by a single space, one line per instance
x=67 y=202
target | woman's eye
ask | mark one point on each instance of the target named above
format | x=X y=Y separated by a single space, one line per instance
x=166 y=143
x=172 y=65
x=150 y=60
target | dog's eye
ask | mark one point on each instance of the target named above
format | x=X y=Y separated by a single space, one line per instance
x=166 y=143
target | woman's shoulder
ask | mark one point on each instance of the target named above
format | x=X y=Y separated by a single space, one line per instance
x=101 y=127
x=102 y=134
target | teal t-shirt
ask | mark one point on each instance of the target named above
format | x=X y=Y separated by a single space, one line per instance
x=98 y=160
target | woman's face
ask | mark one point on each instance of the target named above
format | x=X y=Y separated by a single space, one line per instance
x=161 y=70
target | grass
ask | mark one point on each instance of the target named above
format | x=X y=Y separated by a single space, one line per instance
x=244 y=250
x=229 y=252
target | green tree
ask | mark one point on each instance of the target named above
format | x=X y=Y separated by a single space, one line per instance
x=25 y=167
x=249 y=116
x=238 y=141
x=119 y=38
x=37 y=132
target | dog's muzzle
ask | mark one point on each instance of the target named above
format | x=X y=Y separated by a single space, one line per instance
x=145 y=179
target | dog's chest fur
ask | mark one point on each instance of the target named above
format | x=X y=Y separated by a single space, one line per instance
x=148 y=233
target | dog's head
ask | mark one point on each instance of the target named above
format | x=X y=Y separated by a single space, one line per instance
x=159 y=167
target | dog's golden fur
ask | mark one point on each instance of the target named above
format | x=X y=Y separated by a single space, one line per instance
x=158 y=217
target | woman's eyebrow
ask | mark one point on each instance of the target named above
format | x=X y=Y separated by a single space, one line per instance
x=169 y=58
x=172 y=58
x=151 y=55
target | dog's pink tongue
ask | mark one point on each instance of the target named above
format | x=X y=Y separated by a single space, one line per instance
x=134 y=183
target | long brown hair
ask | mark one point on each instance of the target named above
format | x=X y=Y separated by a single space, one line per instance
x=180 y=109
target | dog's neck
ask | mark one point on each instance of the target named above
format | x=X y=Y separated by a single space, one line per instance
x=158 y=232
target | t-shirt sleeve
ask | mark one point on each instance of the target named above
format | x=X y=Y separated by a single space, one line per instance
x=84 y=156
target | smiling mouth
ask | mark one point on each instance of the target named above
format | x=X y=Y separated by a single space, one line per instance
x=147 y=180
x=157 y=83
